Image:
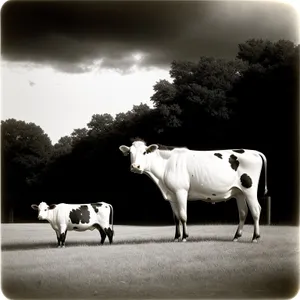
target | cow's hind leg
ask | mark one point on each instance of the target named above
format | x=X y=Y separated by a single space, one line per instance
x=102 y=233
x=182 y=213
x=243 y=211
x=110 y=234
x=176 y=221
x=255 y=210
x=63 y=238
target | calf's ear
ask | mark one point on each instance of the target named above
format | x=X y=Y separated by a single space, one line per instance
x=124 y=149
x=34 y=206
x=51 y=206
x=152 y=148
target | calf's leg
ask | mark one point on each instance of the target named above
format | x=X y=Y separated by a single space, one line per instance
x=63 y=238
x=63 y=234
x=58 y=238
x=110 y=234
x=102 y=233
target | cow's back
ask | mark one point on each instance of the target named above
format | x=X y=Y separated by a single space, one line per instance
x=77 y=217
x=210 y=172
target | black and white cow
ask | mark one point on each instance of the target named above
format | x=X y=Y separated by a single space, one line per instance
x=182 y=174
x=79 y=217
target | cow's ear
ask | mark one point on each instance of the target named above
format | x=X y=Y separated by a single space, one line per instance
x=152 y=148
x=124 y=149
x=34 y=206
x=51 y=206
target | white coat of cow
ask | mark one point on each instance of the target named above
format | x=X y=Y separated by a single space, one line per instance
x=182 y=174
x=79 y=217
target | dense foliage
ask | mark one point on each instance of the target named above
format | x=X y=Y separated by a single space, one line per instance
x=248 y=102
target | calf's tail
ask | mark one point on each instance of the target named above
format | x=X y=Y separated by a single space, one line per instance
x=111 y=218
x=265 y=167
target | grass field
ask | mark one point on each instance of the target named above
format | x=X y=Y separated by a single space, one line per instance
x=143 y=262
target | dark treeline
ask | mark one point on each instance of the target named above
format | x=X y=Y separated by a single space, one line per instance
x=248 y=102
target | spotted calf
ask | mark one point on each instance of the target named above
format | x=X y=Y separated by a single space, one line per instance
x=79 y=217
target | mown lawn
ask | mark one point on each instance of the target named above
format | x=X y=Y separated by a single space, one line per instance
x=143 y=262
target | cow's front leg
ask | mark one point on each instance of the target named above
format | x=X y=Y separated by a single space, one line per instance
x=63 y=234
x=182 y=214
x=176 y=221
x=58 y=238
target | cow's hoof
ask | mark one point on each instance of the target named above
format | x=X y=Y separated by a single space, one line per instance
x=255 y=238
x=184 y=240
x=235 y=240
x=176 y=240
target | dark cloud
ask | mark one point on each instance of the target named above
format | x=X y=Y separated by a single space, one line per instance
x=74 y=36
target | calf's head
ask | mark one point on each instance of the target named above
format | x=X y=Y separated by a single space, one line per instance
x=43 y=209
x=138 y=155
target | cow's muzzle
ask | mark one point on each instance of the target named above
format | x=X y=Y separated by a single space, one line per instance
x=136 y=169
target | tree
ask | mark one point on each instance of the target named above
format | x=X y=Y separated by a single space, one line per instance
x=202 y=87
x=63 y=146
x=164 y=93
x=78 y=134
x=267 y=53
x=131 y=120
x=26 y=152
x=100 y=123
x=197 y=97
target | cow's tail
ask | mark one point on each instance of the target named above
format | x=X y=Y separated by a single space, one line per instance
x=111 y=218
x=265 y=166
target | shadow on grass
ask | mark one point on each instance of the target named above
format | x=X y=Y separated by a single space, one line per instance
x=139 y=241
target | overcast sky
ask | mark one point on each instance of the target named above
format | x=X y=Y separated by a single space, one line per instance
x=62 y=61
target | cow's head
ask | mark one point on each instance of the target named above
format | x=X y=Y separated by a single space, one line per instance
x=139 y=152
x=43 y=209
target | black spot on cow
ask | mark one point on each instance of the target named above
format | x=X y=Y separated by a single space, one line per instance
x=246 y=181
x=239 y=151
x=75 y=228
x=94 y=205
x=234 y=163
x=214 y=194
x=100 y=204
x=218 y=155
x=80 y=214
